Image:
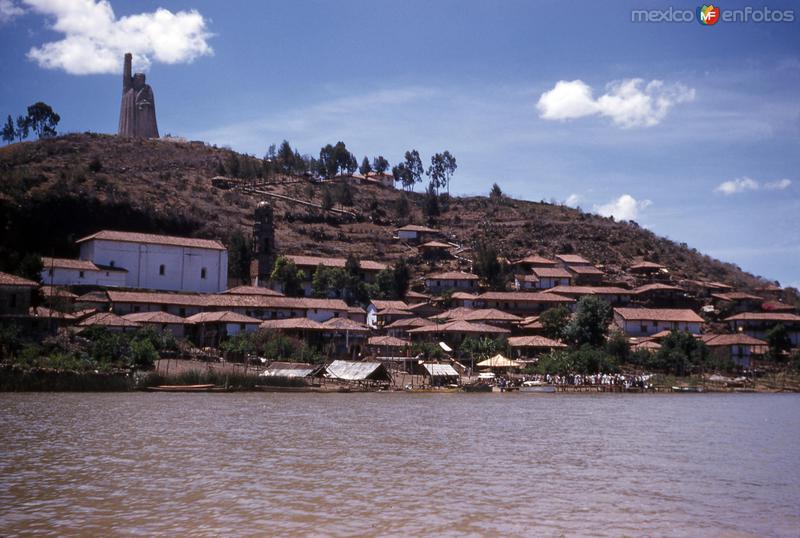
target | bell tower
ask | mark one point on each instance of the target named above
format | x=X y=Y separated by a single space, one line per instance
x=263 y=243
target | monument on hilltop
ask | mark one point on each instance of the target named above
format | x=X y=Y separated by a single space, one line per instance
x=137 y=114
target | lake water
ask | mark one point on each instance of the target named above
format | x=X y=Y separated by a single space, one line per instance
x=400 y=464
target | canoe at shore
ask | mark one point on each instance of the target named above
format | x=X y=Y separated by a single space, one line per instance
x=186 y=388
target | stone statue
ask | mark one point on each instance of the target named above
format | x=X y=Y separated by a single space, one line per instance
x=137 y=115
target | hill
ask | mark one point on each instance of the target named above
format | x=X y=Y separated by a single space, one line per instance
x=56 y=190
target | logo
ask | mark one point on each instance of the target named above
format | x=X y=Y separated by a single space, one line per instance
x=707 y=15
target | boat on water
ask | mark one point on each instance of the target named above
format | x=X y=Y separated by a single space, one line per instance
x=477 y=387
x=186 y=388
x=537 y=387
x=687 y=389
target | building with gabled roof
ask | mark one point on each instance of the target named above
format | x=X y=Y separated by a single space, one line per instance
x=160 y=262
x=649 y=321
x=451 y=280
x=549 y=277
x=758 y=324
x=70 y=272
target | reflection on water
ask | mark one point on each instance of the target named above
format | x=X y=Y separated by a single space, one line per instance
x=400 y=464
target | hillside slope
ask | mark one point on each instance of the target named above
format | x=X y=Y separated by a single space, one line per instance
x=56 y=190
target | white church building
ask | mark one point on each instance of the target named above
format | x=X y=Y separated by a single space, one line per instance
x=158 y=262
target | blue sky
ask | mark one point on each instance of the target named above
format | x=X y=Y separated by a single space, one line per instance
x=708 y=156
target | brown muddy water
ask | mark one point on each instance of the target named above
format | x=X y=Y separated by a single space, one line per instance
x=252 y=464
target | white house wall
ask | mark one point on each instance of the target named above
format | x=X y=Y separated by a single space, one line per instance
x=182 y=265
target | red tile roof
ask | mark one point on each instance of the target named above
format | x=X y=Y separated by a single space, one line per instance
x=253 y=290
x=221 y=317
x=478 y=314
x=107 y=319
x=527 y=278
x=435 y=244
x=460 y=327
x=314 y=261
x=293 y=324
x=154 y=239
x=68 y=263
x=736 y=296
x=229 y=300
x=765 y=316
x=533 y=259
x=7 y=279
x=588 y=290
x=551 y=272
x=452 y=275
x=572 y=259
x=646 y=265
x=584 y=270
x=659 y=314
x=534 y=341
x=55 y=291
x=44 y=312
x=157 y=317
x=525 y=296
x=387 y=341
x=416 y=228
x=345 y=324
x=738 y=339
x=407 y=323
x=383 y=304
x=774 y=306
x=655 y=287
x=463 y=295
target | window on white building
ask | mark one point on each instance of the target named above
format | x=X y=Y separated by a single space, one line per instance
x=161 y=269
x=80 y=274
x=203 y=273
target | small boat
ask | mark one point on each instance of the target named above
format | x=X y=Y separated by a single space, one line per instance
x=687 y=389
x=537 y=387
x=478 y=387
x=185 y=388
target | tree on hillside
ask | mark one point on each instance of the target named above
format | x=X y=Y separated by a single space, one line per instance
x=409 y=172
x=328 y=282
x=23 y=128
x=402 y=208
x=365 y=168
x=285 y=157
x=42 y=119
x=336 y=159
x=286 y=273
x=590 y=323
x=9 y=132
x=488 y=267
x=496 y=192
x=327 y=198
x=441 y=170
x=402 y=276
x=380 y=164
x=554 y=321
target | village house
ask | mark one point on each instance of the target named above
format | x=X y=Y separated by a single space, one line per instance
x=758 y=324
x=734 y=302
x=585 y=275
x=309 y=264
x=646 y=270
x=703 y=289
x=614 y=295
x=492 y=316
x=529 y=347
x=574 y=260
x=415 y=297
x=15 y=295
x=160 y=262
x=69 y=272
x=660 y=295
x=434 y=250
x=376 y=305
x=455 y=332
x=521 y=302
x=549 y=277
x=400 y=328
x=413 y=233
x=463 y=298
x=649 y=321
x=451 y=280
x=162 y=321
x=526 y=282
x=526 y=264
x=739 y=348
x=109 y=321
x=208 y=329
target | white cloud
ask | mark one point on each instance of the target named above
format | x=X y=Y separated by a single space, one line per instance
x=572 y=200
x=626 y=207
x=744 y=184
x=9 y=10
x=778 y=185
x=95 y=40
x=629 y=103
